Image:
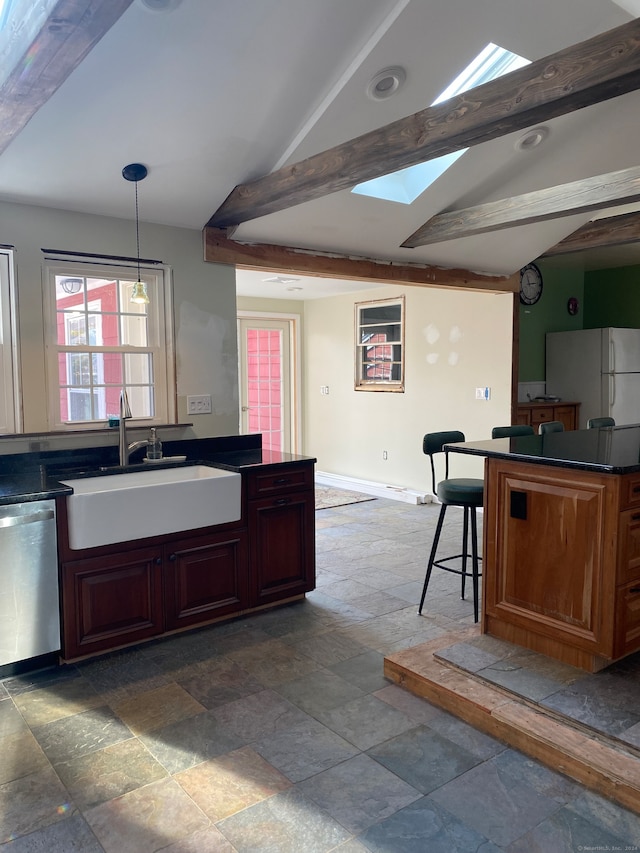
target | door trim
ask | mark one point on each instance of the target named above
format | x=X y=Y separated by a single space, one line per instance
x=295 y=372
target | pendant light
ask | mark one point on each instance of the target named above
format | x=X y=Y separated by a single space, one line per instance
x=137 y=172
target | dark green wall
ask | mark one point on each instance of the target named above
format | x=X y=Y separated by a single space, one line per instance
x=612 y=298
x=549 y=314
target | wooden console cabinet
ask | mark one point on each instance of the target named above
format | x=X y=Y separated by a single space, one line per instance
x=538 y=413
x=121 y=594
x=282 y=533
x=562 y=561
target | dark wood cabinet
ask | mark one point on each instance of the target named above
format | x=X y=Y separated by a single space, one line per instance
x=282 y=547
x=205 y=577
x=281 y=533
x=110 y=601
x=124 y=593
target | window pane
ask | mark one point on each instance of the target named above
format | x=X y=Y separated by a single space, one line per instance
x=138 y=368
x=141 y=401
x=379 y=341
x=134 y=330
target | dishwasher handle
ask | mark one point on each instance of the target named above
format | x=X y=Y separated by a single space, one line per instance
x=14 y=520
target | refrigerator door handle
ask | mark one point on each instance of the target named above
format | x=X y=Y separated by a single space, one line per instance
x=612 y=356
x=612 y=389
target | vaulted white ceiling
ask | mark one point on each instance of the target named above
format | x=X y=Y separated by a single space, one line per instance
x=211 y=94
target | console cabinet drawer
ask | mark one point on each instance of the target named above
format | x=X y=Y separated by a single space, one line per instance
x=278 y=480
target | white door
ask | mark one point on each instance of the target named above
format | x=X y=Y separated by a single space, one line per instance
x=268 y=380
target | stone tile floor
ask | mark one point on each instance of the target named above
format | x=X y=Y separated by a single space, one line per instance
x=278 y=733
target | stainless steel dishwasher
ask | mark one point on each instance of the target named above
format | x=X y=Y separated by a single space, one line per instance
x=29 y=608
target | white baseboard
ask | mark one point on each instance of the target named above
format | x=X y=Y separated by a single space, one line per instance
x=380 y=490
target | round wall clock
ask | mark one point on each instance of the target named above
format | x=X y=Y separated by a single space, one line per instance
x=530 y=284
x=572 y=306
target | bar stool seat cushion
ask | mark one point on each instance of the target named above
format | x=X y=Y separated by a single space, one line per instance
x=461 y=491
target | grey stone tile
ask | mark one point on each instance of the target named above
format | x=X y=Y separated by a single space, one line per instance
x=364 y=671
x=19 y=684
x=183 y=744
x=566 y=831
x=494 y=803
x=467 y=657
x=609 y=815
x=482 y=745
x=258 y=716
x=543 y=779
x=305 y=749
x=285 y=823
x=366 y=722
x=218 y=682
x=521 y=681
x=319 y=691
x=33 y=802
x=376 y=603
x=81 y=733
x=593 y=711
x=11 y=720
x=359 y=792
x=20 y=755
x=68 y=835
x=423 y=758
x=100 y=776
x=423 y=827
x=329 y=647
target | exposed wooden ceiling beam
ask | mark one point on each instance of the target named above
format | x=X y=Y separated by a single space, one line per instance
x=218 y=248
x=551 y=203
x=587 y=73
x=601 y=233
x=67 y=35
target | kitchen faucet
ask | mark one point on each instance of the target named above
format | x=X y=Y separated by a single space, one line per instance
x=125 y=450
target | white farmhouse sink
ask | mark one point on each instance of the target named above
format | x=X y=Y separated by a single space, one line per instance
x=131 y=506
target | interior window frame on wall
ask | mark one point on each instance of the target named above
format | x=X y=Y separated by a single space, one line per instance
x=380 y=359
x=158 y=383
x=10 y=408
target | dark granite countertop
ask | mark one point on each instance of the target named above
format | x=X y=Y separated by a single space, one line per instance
x=611 y=450
x=36 y=476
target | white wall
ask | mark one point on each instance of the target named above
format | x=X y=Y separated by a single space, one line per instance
x=455 y=341
x=204 y=305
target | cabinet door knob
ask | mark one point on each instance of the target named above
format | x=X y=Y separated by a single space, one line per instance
x=158 y=561
x=173 y=557
x=281 y=481
x=282 y=501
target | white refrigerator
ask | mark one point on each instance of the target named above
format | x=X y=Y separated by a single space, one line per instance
x=598 y=368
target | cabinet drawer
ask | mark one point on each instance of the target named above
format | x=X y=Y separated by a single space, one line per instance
x=629 y=547
x=631 y=491
x=276 y=481
x=628 y=619
x=539 y=416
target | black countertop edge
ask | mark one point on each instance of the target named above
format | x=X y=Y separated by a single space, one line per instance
x=37 y=476
x=514 y=456
x=604 y=451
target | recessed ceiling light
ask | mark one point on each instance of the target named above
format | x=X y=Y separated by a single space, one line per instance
x=386 y=83
x=291 y=289
x=532 y=138
x=160 y=5
x=281 y=279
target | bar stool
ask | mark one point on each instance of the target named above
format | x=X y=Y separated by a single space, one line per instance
x=509 y=431
x=550 y=426
x=466 y=493
x=596 y=423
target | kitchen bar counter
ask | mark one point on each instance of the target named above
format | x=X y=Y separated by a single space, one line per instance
x=611 y=450
x=561 y=543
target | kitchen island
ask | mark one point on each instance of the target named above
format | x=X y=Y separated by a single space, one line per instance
x=561 y=544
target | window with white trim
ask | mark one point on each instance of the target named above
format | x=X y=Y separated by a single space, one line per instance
x=99 y=342
x=380 y=345
x=9 y=385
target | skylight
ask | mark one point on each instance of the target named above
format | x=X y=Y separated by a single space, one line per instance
x=406 y=185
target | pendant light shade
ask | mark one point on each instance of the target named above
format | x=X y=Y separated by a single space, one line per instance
x=137 y=172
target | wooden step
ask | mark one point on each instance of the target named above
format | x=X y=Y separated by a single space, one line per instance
x=599 y=762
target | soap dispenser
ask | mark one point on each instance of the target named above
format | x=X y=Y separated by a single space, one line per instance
x=154 y=446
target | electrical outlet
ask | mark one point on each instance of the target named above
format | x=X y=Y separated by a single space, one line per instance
x=199 y=404
x=385 y=455
x=324 y=389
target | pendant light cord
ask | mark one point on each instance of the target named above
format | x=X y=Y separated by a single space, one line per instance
x=137 y=232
